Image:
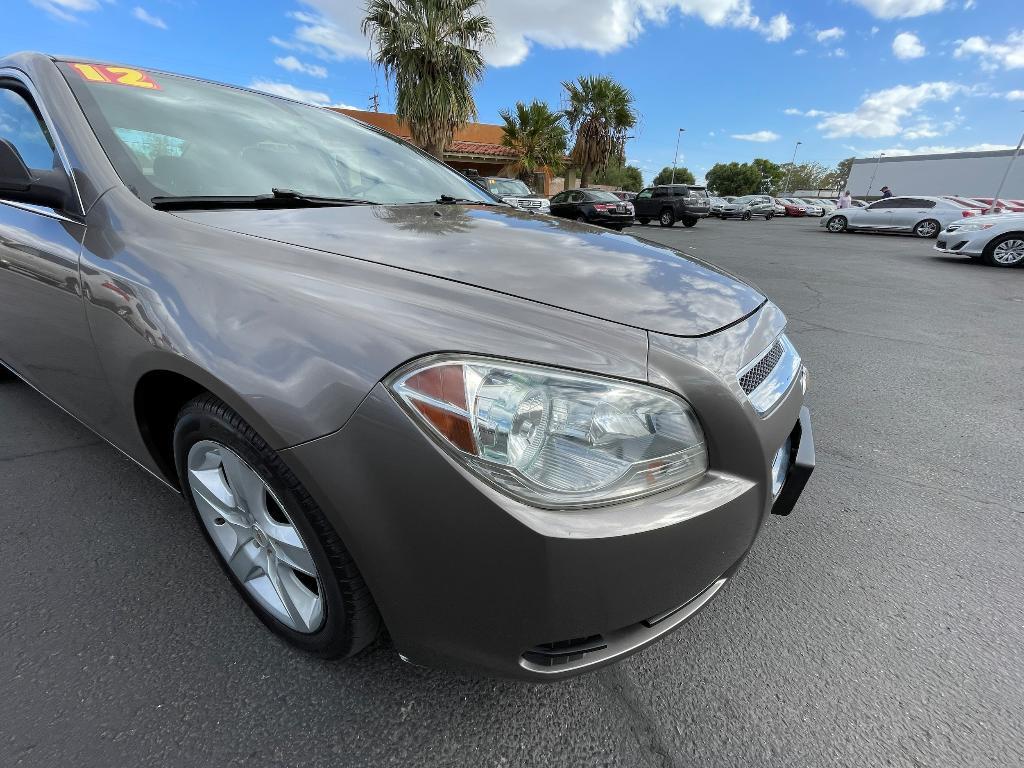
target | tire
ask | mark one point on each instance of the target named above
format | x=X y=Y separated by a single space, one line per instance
x=745 y=216
x=644 y=222
x=769 y=216
x=836 y=224
x=347 y=620
x=666 y=218
x=581 y=219
x=928 y=228
x=689 y=222
x=1005 y=251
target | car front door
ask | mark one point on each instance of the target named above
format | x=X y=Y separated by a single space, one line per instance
x=643 y=204
x=878 y=215
x=44 y=335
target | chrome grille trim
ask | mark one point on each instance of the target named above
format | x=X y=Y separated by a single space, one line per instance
x=783 y=363
x=755 y=373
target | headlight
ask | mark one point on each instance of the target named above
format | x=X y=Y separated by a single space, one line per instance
x=552 y=438
x=975 y=227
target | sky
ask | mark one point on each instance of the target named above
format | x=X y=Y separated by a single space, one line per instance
x=745 y=78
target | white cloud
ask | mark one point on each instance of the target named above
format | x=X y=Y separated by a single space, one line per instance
x=874 y=30
x=1009 y=54
x=65 y=10
x=292 y=64
x=146 y=17
x=799 y=51
x=907 y=45
x=332 y=30
x=778 y=29
x=969 y=4
x=900 y=9
x=808 y=113
x=832 y=33
x=1015 y=95
x=757 y=136
x=289 y=91
x=929 y=149
x=839 y=53
x=883 y=113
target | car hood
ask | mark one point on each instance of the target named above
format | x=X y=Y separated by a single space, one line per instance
x=540 y=258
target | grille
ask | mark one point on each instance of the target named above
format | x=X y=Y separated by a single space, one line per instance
x=564 y=651
x=752 y=379
x=529 y=203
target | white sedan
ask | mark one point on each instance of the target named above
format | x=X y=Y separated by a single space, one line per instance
x=922 y=216
x=998 y=239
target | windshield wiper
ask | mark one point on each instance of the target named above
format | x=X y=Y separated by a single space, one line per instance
x=279 y=198
x=449 y=200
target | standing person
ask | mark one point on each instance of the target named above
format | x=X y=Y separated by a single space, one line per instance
x=845 y=199
x=886 y=192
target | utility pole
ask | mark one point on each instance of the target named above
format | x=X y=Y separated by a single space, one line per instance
x=1006 y=174
x=375 y=103
x=675 y=159
x=872 y=182
x=789 y=171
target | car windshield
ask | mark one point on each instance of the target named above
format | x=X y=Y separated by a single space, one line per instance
x=501 y=187
x=744 y=199
x=599 y=196
x=171 y=136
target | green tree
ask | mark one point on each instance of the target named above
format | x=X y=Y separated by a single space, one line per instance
x=600 y=113
x=771 y=175
x=836 y=178
x=620 y=176
x=683 y=175
x=734 y=179
x=538 y=137
x=804 y=176
x=430 y=50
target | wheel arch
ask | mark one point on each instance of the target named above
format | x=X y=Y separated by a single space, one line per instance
x=161 y=392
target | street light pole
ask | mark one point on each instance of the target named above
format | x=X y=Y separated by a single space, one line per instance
x=790 y=169
x=675 y=159
x=872 y=182
x=1006 y=173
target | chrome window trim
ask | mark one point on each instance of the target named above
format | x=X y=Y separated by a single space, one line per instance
x=8 y=73
x=777 y=383
x=40 y=210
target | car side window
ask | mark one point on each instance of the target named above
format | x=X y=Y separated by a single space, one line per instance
x=880 y=204
x=22 y=126
x=576 y=197
x=644 y=195
x=916 y=202
x=661 y=192
x=559 y=198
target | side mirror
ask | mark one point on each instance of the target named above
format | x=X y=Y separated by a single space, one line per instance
x=20 y=184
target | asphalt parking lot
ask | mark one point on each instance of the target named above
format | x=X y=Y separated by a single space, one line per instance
x=881 y=624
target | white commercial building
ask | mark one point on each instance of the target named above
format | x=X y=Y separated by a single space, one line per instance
x=966 y=174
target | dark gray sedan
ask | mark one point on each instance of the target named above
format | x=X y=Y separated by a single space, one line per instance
x=527 y=446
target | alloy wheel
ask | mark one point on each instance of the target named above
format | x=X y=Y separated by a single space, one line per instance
x=1009 y=252
x=837 y=224
x=254 y=535
x=927 y=228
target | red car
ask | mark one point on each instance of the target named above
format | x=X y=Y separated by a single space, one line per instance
x=792 y=207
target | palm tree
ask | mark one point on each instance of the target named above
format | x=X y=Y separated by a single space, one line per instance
x=536 y=135
x=430 y=49
x=600 y=113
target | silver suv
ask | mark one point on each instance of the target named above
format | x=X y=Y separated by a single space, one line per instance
x=747 y=207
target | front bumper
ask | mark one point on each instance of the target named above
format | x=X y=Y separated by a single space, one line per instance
x=468 y=578
x=962 y=243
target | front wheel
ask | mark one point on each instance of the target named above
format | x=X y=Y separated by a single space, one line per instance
x=269 y=535
x=689 y=222
x=1005 y=251
x=927 y=228
x=667 y=218
x=746 y=216
x=836 y=224
x=769 y=216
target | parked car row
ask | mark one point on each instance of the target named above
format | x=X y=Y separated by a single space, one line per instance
x=959 y=225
